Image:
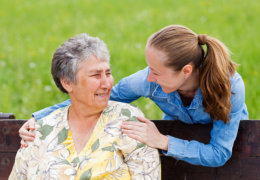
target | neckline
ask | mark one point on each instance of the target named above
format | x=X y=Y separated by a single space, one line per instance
x=91 y=138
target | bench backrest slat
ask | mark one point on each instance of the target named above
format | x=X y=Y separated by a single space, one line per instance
x=244 y=163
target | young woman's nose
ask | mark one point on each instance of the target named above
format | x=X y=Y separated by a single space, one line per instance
x=150 y=77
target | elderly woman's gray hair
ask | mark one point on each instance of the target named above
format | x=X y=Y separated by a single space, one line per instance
x=67 y=58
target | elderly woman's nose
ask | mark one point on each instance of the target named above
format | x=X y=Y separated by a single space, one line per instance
x=105 y=81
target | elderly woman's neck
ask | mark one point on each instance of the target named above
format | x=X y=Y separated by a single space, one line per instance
x=79 y=112
x=82 y=121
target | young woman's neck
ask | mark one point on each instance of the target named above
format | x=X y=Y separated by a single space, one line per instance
x=191 y=85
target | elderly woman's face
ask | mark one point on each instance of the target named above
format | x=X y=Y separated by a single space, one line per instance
x=94 y=83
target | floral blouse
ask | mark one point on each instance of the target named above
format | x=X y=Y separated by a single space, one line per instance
x=108 y=154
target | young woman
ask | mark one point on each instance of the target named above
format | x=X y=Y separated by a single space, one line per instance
x=189 y=84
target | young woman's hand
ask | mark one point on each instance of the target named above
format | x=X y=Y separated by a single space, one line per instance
x=145 y=132
x=25 y=132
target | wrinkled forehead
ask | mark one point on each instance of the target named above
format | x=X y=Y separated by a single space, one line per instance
x=91 y=57
x=93 y=63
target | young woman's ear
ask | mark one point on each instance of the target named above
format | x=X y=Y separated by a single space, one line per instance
x=66 y=85
x=187 y=70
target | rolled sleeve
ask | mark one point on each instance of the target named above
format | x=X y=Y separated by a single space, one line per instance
x=175 y=148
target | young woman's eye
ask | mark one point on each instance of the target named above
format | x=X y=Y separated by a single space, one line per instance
x=155 y=74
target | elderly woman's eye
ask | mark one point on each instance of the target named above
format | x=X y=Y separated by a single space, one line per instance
x=95 y=75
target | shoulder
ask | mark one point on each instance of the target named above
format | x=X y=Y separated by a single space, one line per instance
x=237 y=85
x=237 y=93
x=122 y=111
x=236 y=82
x=54 y=117
x=136 y=83
x=52 y=123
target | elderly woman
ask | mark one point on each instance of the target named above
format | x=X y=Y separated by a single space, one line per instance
x=84 y=140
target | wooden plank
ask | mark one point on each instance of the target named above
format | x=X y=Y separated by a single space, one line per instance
x=234 y=169
x=247 y=142
x=6 y=164
x=7 y=116
x=9 y=138
x=243 y=165
x=248 y=139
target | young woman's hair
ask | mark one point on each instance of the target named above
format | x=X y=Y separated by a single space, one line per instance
x=183 y=46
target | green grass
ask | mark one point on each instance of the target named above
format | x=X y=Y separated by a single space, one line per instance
x=31 y=30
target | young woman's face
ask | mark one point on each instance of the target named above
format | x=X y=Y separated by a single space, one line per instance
x=167 y=78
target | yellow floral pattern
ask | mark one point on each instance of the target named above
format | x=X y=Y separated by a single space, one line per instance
x=107 y=155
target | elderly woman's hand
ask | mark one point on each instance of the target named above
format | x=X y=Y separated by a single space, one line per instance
x=25 y=132
x=145 y=132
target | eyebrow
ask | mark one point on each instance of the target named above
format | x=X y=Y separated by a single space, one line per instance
x=99 y=70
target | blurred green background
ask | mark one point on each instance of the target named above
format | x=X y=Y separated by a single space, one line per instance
x=31 y=30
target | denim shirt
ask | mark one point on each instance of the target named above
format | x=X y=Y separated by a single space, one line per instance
x=219 y=149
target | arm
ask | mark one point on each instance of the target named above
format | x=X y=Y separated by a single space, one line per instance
x=46 y=111
x=25 y=131
x=143 y=161
x=127 y=90
x=132 y=87
x=219 y=149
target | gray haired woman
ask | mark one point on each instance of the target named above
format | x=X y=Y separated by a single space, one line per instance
x=84 y=140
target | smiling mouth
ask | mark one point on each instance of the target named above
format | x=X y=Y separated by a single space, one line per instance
x=102 y=94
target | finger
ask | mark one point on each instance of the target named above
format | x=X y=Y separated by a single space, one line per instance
x=25 y=132
x=135 y=135
x=133 y=128
x=133 y=123
x=23 y=144
x=32 y=123
x=25 y=126
x=27 y=138
x=143 y=119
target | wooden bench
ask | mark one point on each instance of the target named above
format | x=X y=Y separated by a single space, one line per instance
x=243 y=165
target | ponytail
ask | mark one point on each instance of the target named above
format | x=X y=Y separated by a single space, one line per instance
x=214 y=80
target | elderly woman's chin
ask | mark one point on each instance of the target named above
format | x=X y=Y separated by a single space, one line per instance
x=102 y=100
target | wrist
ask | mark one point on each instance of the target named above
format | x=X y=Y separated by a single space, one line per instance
x=164 y=142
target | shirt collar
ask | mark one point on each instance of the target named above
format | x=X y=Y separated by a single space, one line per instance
x=174 y=97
